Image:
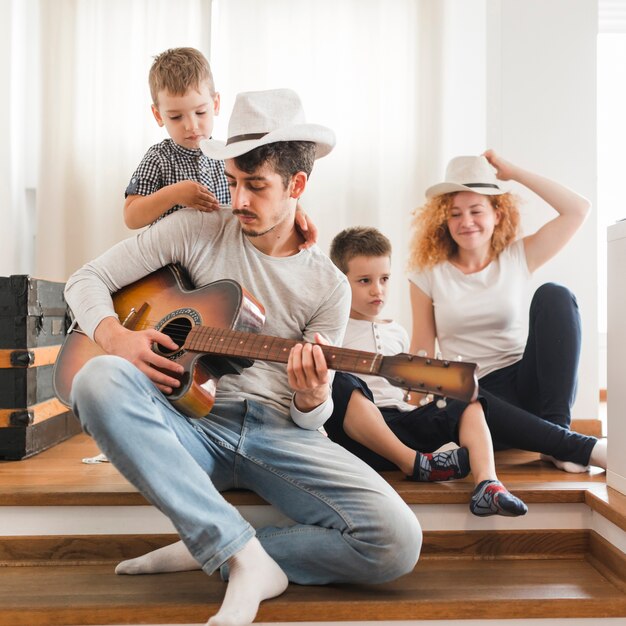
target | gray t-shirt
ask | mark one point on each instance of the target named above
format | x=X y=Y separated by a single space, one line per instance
x=302 y=294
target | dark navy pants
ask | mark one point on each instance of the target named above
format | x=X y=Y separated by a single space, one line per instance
x=544 y=381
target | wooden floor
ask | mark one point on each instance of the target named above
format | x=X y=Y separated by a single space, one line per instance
x=62 y=580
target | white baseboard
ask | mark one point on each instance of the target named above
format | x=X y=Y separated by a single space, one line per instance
x=616 y=481
x=122 y=520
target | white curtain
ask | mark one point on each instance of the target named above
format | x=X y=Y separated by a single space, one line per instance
x=381 y=74
x=401 y=82
x=18 y=129
x=97 y=122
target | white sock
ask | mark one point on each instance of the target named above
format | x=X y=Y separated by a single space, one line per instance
x=598 y=454
x=566 y=466
x=254 y=576
x=172 y=558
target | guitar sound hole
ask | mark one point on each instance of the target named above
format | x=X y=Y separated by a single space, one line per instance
x=177 y=330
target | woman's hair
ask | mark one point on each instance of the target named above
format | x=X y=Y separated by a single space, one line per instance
x=431 y=242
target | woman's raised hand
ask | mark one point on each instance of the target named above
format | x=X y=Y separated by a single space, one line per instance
x=504 y=169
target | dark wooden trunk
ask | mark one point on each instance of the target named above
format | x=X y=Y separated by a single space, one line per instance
x=32 y=312
x=25 y=386
x=20 y=442
x=33 y=325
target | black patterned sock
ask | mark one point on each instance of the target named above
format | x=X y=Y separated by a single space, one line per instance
x=437 y=466
x=492 y=498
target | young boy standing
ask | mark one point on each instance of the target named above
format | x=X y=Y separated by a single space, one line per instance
x=370 y=416
x=175 y=172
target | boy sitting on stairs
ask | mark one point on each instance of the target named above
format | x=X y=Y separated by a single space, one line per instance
x=370 y=416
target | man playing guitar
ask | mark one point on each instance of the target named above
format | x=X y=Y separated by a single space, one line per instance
x=261 y=434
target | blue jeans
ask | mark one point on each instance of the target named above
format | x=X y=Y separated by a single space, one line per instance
x=350 y=525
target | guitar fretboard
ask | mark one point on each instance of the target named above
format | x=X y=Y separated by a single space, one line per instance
x=265 y=348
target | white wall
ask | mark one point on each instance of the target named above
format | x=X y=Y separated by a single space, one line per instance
x=541 y=77
x=616 y=390
x=450 y=106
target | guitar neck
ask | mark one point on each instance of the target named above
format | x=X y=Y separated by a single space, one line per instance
x=235 y=343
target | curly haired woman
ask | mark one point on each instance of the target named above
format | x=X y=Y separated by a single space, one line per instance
x=469 y=275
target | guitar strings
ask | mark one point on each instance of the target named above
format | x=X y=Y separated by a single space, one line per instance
x=182 y=330
x=179 y=331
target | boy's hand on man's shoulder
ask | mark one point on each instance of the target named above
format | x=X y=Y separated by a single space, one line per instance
x=194 y=195
x=306 y=228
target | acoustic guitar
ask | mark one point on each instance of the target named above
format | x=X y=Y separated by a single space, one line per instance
x=217 y=328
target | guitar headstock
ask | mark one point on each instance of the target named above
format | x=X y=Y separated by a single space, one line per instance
x=451 y=379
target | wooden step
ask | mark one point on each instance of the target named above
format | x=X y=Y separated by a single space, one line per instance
x=57 y=477
x=591 y=427
x=501 y=575
x=92 y=594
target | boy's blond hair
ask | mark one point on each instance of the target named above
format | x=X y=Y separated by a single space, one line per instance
x=177 y=70
x=358 y=241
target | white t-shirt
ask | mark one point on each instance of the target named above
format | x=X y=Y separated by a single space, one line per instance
x=387 y=338
x=481 y=317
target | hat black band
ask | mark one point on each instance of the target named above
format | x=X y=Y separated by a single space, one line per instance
x=246 y=137
x=492 y=186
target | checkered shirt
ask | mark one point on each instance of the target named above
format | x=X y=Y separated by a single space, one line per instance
x=167 y=163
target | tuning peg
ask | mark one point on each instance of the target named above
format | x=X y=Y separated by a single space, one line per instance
x=407 y=395
x=458 y=358
x=426 y=400
x=422 y=353
x=438 y=356
x=441 y=403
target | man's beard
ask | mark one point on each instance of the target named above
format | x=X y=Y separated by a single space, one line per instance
x=255 y=233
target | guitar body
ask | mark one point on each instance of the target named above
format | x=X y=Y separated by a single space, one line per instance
x=166 y=301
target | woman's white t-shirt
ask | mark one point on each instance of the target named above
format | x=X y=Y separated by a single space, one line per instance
x=481 y=317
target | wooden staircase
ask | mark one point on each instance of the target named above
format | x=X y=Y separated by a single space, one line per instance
x=64 y=524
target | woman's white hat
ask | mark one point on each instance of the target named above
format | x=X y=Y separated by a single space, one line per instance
x=468 y=173
x=262 y=117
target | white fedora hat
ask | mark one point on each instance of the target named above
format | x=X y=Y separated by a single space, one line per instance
x=262 y=117
x=468 y=173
